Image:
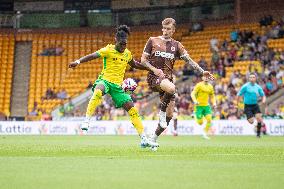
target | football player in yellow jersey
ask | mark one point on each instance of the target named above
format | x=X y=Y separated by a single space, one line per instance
x=200 y=96
x=115 y=60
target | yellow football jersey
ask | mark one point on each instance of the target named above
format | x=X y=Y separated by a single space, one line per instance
x=201 y=93
x=115 y=63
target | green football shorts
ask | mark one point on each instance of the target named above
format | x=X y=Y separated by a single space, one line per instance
x=115 y=91
x=201 y=111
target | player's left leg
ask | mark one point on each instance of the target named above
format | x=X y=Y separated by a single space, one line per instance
x=208 y=118
x=134 y=117
x=99 y=89
x=137 y=123
x=259 y=120
x=121 y=99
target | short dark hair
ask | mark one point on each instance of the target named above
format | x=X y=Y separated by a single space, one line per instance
x=122 y=32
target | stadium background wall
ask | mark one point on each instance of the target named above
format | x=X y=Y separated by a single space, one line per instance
x=231 y=127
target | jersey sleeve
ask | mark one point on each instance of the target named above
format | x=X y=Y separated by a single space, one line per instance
x=181 y=50
x=242 y=91
x=103 y=52
x=260 y=91
x=148 y=47
x=130 y=57
x=194 y=92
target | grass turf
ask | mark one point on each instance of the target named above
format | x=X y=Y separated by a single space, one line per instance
x=53 y=162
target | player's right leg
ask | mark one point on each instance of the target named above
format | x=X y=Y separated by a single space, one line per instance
x=251 y=118
x=123 y=100
x=95 y=101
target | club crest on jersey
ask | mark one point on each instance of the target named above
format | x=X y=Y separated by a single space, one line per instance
x=173 y=48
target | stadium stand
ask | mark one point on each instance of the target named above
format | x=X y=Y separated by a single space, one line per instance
x=51 y=71
x=6 y=69
x=230 y=79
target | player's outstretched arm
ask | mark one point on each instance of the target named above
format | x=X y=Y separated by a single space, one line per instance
x=83 y=59
x=137 y=65
x=188 y=60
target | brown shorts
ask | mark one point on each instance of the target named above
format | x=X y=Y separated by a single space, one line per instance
x=154 y=84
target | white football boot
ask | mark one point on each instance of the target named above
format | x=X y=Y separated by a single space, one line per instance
x=153 y=138
x=145 y=142
x=85 y=126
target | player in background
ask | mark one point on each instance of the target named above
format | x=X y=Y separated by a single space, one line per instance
x=251 y=92
x=176 y=108
x=175 y=119
x=115 y=60
x=200 y=97
x=159 y=56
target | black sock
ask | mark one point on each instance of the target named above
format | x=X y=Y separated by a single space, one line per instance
x=263 y=128
x=165 y=101
x=175 y=124
x=168 y=120
x=159 y=130
x=258 y=129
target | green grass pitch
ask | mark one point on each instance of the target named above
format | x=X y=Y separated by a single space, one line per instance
x=51 y=162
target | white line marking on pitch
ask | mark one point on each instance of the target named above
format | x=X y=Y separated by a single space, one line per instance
x=124 y=156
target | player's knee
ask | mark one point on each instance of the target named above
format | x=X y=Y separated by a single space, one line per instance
x=168 y=86
x=251 y=120
x=170 y=113
x=259 y=119
x=97 y=94
x=171 y=89
x=200 y=121
x=133 y=112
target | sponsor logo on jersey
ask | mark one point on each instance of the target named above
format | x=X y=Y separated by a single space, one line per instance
x=173 y=48
x=165 y=55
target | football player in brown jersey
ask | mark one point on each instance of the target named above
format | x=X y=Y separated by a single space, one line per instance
x=159 y=56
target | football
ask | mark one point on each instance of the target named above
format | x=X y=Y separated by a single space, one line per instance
x=129 y=85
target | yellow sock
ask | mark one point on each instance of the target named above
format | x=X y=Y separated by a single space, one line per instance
x=208 y=122
x=199 y=121
x=94 y=102
x=136 y=120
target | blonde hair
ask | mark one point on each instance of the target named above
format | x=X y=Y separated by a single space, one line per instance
x=167 y=21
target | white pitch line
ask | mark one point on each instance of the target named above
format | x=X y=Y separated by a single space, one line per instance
x=124 y=156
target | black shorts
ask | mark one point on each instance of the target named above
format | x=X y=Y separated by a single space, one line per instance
x=251 y=110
